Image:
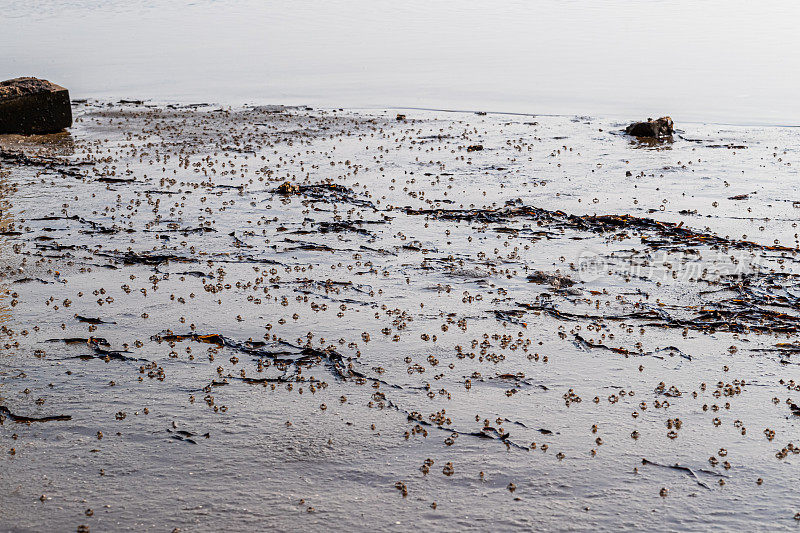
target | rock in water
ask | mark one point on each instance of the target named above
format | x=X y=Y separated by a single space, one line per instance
x=661 y=127
x=31 y=105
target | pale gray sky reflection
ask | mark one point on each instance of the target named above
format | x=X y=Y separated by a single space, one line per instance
x=719 y=61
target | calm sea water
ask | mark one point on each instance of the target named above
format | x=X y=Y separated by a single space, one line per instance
x=724 y=61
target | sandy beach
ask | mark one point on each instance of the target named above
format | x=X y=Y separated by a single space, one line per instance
x=265 y=317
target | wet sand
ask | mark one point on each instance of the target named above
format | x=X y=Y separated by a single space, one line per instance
x=238 y=318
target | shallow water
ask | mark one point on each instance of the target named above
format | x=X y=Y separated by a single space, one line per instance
x=412 y=303
x=718 y=61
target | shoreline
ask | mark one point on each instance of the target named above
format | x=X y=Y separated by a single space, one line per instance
x=307 y=317
x=622 y=118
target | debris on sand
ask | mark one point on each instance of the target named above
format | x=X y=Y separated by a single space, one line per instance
x=5 y=412
x=288 y=188
x=346 y=291
x=555 y=280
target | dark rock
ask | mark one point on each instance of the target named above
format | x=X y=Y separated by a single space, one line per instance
x=31 y=106
x=658 y=128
